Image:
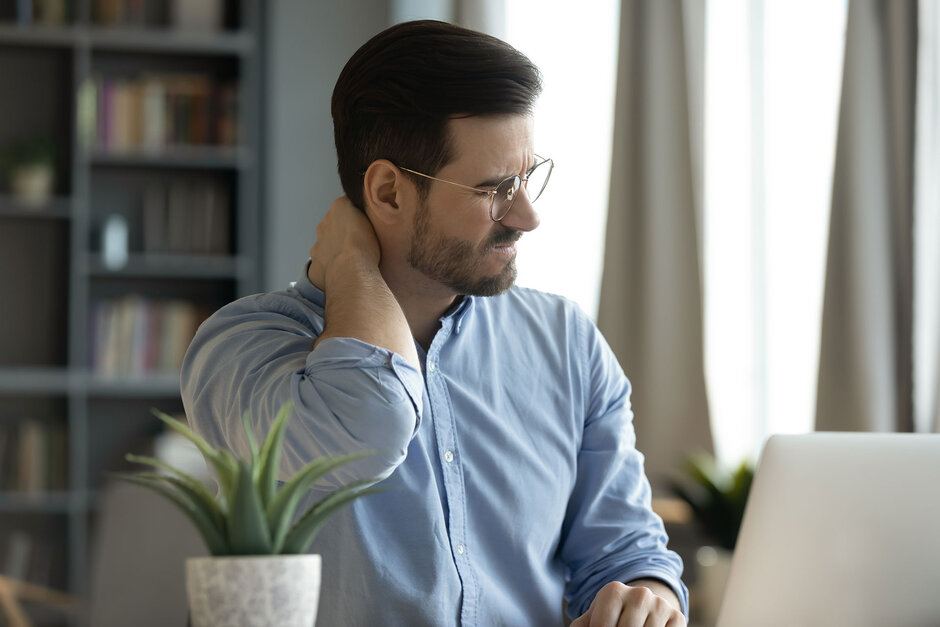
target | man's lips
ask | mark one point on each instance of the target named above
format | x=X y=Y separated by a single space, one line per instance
x=505 y=241
x=507 y=248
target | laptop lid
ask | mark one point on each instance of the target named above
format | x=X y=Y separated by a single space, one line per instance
x=839 y=529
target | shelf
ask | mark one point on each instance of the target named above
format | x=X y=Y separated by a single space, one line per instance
x=174 y=266
x=56 y=36
x=129 y=39
x=38 y=380
x=155 y=385
x=195 y=157
x=34 y=380
x=40 y=503
x=55 y=271
x=59 y=207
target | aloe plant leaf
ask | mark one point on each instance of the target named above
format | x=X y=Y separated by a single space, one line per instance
x=200 y=517
x=302 y=534
x=271 y=455
x=252 y=445
x=224 y=463
x=195 y=497
x=248 y=532
x=281 y=510
x=193 y=485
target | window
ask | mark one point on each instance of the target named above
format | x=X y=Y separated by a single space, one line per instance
x=772 y=84
x=574 y=126
x=772 y=87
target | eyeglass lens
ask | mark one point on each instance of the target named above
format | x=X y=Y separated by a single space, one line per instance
x=535 y=182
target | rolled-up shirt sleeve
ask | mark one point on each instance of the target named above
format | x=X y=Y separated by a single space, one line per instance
x=257 y=353
x=610 y=531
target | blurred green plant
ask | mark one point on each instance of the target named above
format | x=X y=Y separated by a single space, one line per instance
x=251 y=516
x=717 y=497
x=30 y=151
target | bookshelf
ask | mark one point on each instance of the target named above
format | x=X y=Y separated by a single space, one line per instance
x=151 y=224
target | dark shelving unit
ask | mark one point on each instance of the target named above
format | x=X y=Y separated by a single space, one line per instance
x=55 y=277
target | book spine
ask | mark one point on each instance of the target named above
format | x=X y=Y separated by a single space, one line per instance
x=24 y=12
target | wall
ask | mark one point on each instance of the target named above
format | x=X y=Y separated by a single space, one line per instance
x=308 y=42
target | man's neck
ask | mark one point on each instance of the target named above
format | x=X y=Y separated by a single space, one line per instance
x=422 y=300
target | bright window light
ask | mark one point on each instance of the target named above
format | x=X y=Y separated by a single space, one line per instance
x=577 y=53
x=772 y=83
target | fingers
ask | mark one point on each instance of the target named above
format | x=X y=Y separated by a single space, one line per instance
x=344 y=233
x=582 y=621
x=620 y=605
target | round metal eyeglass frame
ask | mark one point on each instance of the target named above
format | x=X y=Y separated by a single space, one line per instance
x=506 y=191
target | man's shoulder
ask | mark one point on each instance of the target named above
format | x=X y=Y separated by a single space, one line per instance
x=538 y=303
x=540 y=316
x=290 y=303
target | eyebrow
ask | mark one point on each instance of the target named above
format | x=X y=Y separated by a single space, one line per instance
x=495 y=181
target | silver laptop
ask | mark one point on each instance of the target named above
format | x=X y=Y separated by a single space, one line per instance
x=840 y=529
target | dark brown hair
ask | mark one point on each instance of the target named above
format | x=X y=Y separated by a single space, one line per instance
x=396 y=94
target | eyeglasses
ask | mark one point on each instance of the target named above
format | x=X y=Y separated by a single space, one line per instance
x=504 y=194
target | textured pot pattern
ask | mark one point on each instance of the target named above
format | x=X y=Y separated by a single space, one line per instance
x=252 y=591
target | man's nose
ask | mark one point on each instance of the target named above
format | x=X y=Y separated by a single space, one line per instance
x=522 y=216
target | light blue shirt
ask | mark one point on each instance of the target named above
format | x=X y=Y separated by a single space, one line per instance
x=511 y=473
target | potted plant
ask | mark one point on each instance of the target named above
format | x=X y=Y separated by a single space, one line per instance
x=258 y=572
x=717 y=498
x=30 y=166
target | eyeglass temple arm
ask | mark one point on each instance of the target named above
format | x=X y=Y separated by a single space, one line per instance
x=489 y=192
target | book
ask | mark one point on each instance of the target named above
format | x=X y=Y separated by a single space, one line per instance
x=157 y=112
x=179 y=215
x=153 y=113
x=6 y=455
x=19 y=548
x=140 y=336
x=155 y=221
x=57 y=459
x=32 y=456
x=24 y=13
x=198 y=15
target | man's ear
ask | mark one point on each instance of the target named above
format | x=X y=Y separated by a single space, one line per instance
x=383 y=191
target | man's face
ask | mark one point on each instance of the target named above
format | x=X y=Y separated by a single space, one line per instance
x=454 y=241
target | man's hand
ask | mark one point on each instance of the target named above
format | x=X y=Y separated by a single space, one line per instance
x=344 y=237
x=621 y=605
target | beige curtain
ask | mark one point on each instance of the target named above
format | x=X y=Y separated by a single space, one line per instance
x=651 y=305
x=865 y=368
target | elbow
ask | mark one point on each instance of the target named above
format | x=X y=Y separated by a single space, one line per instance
x=380 y=421
x=386 y=445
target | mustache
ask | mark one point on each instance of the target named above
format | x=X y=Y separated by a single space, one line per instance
x=503 y=236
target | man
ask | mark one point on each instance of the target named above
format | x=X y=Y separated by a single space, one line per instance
x=500 y=417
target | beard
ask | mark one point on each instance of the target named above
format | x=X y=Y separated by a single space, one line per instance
x=455 y=262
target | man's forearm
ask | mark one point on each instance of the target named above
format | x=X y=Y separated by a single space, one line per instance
x=359 y=304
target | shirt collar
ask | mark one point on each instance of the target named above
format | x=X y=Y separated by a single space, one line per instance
x=460 y=312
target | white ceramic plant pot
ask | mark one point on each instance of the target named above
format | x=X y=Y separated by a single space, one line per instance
x=253 y=591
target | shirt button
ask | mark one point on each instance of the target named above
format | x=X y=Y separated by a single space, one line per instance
x=448 y=457
x=432 y=367
x=459 y=549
